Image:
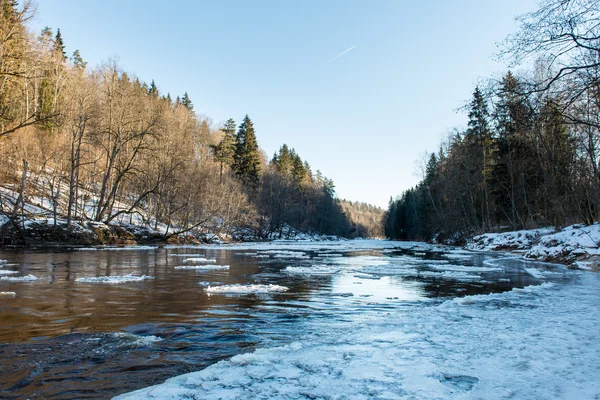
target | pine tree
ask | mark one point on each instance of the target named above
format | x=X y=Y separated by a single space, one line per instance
x=186 y=102
x=246 y=162
x=59 y=45
x=77 y=60
x=153 y=90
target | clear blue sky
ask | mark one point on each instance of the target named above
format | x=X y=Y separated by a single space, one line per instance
x=362 y=119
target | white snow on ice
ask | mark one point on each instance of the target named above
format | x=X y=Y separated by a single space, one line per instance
x=27 y=278
x=312 y=270
x=114 y=279
x=204 y=267
x=199 y=260
x=246 y=289
x=8 y=272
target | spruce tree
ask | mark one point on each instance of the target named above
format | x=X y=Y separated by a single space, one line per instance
x=153 y=90
x=246 y=156
x=186 y=102
x=77 y=60
x=59 y=45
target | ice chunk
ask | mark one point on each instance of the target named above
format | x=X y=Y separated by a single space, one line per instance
x=312 y=270
x=204 y=267
x=199 y=260
x=114 y=279
x=246 y=289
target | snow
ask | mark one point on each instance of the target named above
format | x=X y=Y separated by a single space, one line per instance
x=3 y=262
x=538 y=342
x=312 y=270
x=28 y=278
x=246 y=289
x=114 y=279
x=8 y=294
x=575 y=244
x=517 y=240
x=204 y=267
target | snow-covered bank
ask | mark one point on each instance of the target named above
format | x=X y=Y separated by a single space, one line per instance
x=576 y=244
x=532 y=343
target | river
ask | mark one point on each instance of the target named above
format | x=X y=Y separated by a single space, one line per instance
x=95 y=323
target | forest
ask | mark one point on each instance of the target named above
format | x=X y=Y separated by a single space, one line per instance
x=98 y=146
x=529 y=156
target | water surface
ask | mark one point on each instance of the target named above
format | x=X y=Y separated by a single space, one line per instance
x=63 y=338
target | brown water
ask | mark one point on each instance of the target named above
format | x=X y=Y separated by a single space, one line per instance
x=61 y=338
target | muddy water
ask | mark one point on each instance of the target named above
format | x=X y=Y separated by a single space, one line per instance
x=65 y=338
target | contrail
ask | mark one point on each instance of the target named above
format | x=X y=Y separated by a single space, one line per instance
x=339 y=55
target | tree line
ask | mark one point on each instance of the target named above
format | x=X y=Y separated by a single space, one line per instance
x=529 y=154
x=98 y=144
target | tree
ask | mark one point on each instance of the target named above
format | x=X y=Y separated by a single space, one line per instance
x=78 y=60
x=246 y=156
x=153 y=90
x=224 y=151
x=59 y=45
x=186 y=102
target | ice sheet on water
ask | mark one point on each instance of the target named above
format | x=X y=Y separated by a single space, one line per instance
x=8 y=272
x=312 y=270
x=199 y=260
x=482 y=298
x=114 y=279
x=412 y=271
x=545 y=347
x=208 y=267
x=463 y=268
x=27 y=278
x=135 y=248
x=246 y=289
x=285 y=254
x=186 y=255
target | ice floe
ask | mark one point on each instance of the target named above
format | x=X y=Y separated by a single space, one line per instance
x=199 y=260
x=27 y=278
x=8 y=272
x=208 y=267
x=246 y=289
x=114 y=279
x=312 y=270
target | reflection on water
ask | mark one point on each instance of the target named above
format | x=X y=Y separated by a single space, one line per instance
x=63 y=338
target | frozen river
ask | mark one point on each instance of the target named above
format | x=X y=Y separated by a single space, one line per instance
x=331 y=320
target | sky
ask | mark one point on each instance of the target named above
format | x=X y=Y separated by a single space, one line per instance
x=364 y=118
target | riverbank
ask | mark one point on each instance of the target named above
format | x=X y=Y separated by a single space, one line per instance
x=47 y=232
x=576 y=245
